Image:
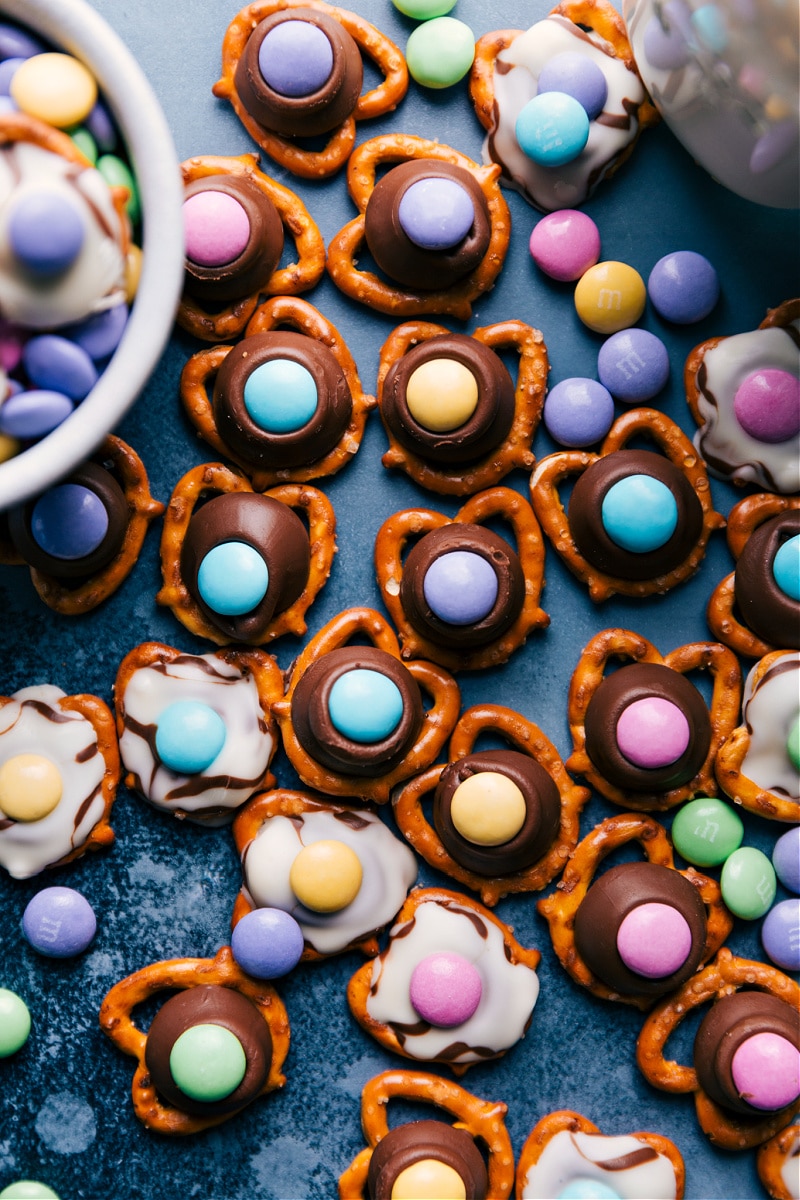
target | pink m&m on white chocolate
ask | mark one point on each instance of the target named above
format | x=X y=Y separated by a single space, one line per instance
x=766 y=1071
x=654 y=940
x=445 y=989
x=564 y=244
x=216 y=228
x=767 y=405
x=652 y=732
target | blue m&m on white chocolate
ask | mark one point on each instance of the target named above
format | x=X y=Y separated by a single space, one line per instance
x=232 y=579
x=576 y=76
x=639 y=513
x=69 y=521
x=295 y=58
x=281 y=395
x=45 y=232
x=436 y=213
x=365 y=706
x=552 y=128
x=460 y=587
x=786 y=568
x=189 y=736
x=584 y=1188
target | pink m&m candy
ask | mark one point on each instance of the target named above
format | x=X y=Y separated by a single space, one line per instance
x=654 y=940
x=767 y=405
x=565 y=244
x=216 y=227
x=766 y=1071
x=652 y=732
x=445 y=989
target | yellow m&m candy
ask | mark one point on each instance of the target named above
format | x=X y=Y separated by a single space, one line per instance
x=428 y=1178
x=488 y=809
x=326 y=876
x=442 y=394
x=30 y=787
x=55 y=88
x=610 y=296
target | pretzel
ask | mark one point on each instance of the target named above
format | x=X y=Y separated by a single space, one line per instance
x=527 y=738
x=721 y=615
x=300 y=276
x=294 y=805
x=553 y=469
x=772 y=1159
x=392 y=539
x=348 y=244
x=116 y=1020
x=728 y=765
x=314 y=164
x=515 y=449
x=593 y=16
x=436 y=728
x=732 y=453
x=560 y=908
x=71 y=601
x=482 y=1120
x=725 y=975
x=214 y=477
x=365 y=982
x=628 y=646
x=565 y=1121
x=278 y=312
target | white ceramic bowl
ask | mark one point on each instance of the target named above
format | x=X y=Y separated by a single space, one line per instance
x=78 y=29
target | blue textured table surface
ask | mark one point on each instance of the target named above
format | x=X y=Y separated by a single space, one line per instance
x=167 y=889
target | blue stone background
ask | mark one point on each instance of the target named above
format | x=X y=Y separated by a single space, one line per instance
x=166 y=889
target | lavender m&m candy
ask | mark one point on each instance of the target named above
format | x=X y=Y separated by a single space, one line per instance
x=267 y=943
x=69 y=521
x=633 y=364
x=786 y=859
x=32 y=414
x=18 y=43
x=654 y=940
x=766 y=1071
x=45 y=233
x=295 y=58
x=667 y=36
x=578 y=76
x=652 y=732
x=460 y=587
x=56 y=363
x=780 y=934
x=578 y=412
x=445 y=989
x=773 y=145
x=99 y=334
x=683 y=287
x=59 y=922
x=8 y=69
x=101 y=127
x=436 y=213
x=767 y=405
x=564 y=244
x=216 y=228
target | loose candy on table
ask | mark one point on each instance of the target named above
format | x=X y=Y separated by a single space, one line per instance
x=15 y=1023
x=59 y=922
x=610 y=296
x=578 y=412
x=786 y=859
x=565 y=244
x=706 y=831
x=424 y=10
x=748 y=883
x=267 y=943
x=634 y=365
x=780 y=934
x=440 y=52
x=683 y=287
x=28 y=1189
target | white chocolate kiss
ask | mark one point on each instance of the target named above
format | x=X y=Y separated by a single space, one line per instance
x=516 y=74
x=96 y=279
x=388 y=865
x=769 y=710
x=582 y=1155
x=33 y=723
x=238 y=770
x=509 y=991
x=730 y=452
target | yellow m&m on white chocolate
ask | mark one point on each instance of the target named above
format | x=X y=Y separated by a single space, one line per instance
x=442 y=394
x=326 y=876
x=56 y=88
x=30 y=787
x=488 y=809
x=429 y=1179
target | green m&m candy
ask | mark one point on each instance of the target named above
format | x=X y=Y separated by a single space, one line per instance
x=117 y=174
x=793 y=743
x=706 y=831
x=423 y=10
x=748 y=883
x=28 y=1189
x=440 y=52
x=207 y=1062
x=15 y=1023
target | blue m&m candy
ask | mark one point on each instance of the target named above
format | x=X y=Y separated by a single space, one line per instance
x=552 y=128
x=232 y=579
x=58 y=364
x=295 y=58
x=100 y=333
x=436 y=213
x=69 y=521
x=460 y=587
x=267 y=943
x=683 y=287
x=45 y=233
x=786 y=567
x=578 y=412
x=786 y=858
x=280 y=395
x=639 y=513
x=633 y=364
x=189 y=736
x=780 y=934
x=33 y=414
x=577 y=76
x=585 y=1188
x=59 y=922
x=365 y=705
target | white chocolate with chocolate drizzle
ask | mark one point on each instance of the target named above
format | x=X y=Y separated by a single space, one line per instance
x=33 y=723
x=770 y=708
x=631 y=1168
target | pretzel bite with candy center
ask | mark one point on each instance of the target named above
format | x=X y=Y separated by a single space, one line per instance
x=778 y=1164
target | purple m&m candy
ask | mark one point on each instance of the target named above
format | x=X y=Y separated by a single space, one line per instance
x=767 y=405
x=578 y=412
x=216 y=228
x=69 y=521
x=32 y=414
x=102 y=128
x=8 y=69
x=45 y=232
x=445 y=989
x=99 y=334
x=17 y=43
x=295 y=58
x=460 y=587
x=564 y=244
x=652 y=732
x=577 y=76
x=633 y=364
x=267 y=943
x=667 y=37
x=59 y=922
x=786 y=859
x=436 y=213
x=780 y=934
x=774 y=145
x=57 y=364
x=683 y=287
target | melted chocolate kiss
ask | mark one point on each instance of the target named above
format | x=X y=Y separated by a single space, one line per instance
x=731 y=1021
x=254 y=266
x=764 y=608
x=419 y=1140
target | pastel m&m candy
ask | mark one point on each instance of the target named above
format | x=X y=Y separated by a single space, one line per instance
x=786 y=859
x=652 y=732
x=59 y=922
x=28 y=1189
x=654 y=940
x=424 y=10
x=117 y=174
x=365 y=705
x=786 y=567
x=610 y=296
x=488 y=809
x=442 y=394
x=578 y=76
x=766 y=1069
x=56 y=363
x=281 y=395
x=30 y=787
x=429 y=1177
x=552 y=128
x=780 y=934
x=46 y=232
x=15 y=1023
x=34 y=413
x=706 y=831
x=748 y=883
x=232 y=578
x=69 y=522
x=564 y=244
x=634 y=365
x=767 y=405
x=295 y=58
x=267 y=943
x=445 y=989
x=326 y=876
x=436 y=213
x=578 y=412
x=216 y=228
x=460 y=587
x=56 y=88
x=189 y=736
x=207 y=1062
x=581 y=1188
x=683 y=287
x=440 y=52
x=639 y=513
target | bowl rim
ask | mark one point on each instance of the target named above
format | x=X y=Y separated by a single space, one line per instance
x=77 y=28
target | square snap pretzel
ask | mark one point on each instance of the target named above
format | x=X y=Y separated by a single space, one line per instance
x=560 y=908
x=390 y=544
x=529 y=392
x=483 y=1120
x=623 y=644
x=346 y=246
x=314 y=164
x=437 y=724
x=527 y=738
x=116 y=1020
x=299 y=276
x=677 y=448
x=279 y=312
